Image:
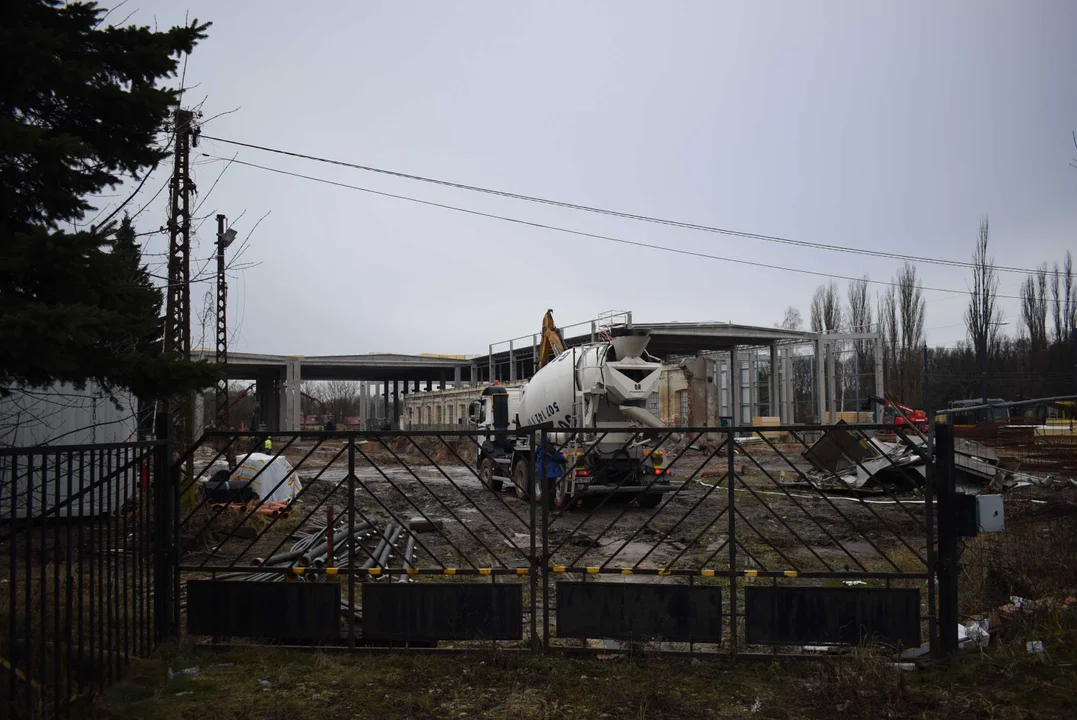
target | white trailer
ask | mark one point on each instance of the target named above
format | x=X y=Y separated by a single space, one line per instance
x=591 y=387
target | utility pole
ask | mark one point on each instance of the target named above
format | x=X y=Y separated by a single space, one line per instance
x=178 y=299
x=224 y=239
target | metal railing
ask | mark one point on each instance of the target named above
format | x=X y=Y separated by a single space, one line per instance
x=715 y=512
x=80 y=532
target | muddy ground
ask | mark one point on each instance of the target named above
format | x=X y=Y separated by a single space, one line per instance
x=780 y=523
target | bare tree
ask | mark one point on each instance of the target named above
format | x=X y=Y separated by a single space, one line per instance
x=901 y=316
x=1034 y=308
x=340 y=397
x=792 y=319
x=826 y=308
x=891 y=330
x=983 y=317
x=1063 y=300
x=859 y=314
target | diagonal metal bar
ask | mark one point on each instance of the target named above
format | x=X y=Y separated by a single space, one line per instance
x=180 y=490
x=888 y=526
x=262 y=500
x=830 y=502
x=464 y=463
x=687 y=482
x=718 y=550
x=781 y=520
x=698 y=536
x=738 y=544
x=410 y=502
x=605 y=499
x=404 y=525
x=594 y=446
x=305 y=520
x=883 y=486
x=764 y=538
x=658 y=510
x=220 y=510
x=652 y=483
x=476 y=505
x=208 y=465
x=604 y=472
x=801 y=507
x=442 y=502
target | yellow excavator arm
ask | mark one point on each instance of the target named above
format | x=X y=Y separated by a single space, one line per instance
x=552 y=344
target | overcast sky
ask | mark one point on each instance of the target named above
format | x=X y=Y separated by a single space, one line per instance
x=891 y=126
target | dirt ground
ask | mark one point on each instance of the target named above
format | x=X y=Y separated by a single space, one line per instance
x=780 y=522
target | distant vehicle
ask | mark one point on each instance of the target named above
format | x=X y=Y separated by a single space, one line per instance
x=981 y=414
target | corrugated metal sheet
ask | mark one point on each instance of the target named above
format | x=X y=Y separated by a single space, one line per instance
x=64 y=415
x=99 y=481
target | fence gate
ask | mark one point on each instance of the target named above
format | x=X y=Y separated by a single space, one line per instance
x=735 y=541
x=80 y=527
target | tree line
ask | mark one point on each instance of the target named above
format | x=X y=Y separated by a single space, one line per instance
x=1037 y=359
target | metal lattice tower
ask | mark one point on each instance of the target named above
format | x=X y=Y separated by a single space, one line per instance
x=178 y=300
x=222 y=325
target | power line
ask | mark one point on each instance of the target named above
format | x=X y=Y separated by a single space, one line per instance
x=579 y=233
x=629 y=216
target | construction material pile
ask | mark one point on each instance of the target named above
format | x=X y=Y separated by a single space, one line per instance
x=847 y=459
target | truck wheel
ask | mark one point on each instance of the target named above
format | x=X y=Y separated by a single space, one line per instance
x=521 y=478
x=562 y=499
x=487 y=468
x=648 y=500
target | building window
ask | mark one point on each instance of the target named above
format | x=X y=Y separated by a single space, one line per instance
x=652 y=403
x=463 y=413
x=439 y=414
x=449 y=410
x=426 y=416
x=684 y=406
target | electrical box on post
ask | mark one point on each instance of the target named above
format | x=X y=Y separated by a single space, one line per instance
x=990 y=516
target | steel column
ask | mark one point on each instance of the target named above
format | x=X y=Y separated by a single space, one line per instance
x=820 y=380
x=775 y=407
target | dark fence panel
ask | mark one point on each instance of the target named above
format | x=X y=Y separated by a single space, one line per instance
x=77 y=556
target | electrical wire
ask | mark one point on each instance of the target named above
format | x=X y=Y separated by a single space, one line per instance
x=581 y=233
x=629 y=216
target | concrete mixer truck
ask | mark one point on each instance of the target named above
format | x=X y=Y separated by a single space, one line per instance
x=590 y=387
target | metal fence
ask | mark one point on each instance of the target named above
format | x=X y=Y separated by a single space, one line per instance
x=739 y=540
x=78 y=570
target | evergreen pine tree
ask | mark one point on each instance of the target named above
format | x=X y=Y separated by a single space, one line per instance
x=80 y=112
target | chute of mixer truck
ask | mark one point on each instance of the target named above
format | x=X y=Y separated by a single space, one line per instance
x=600 y=391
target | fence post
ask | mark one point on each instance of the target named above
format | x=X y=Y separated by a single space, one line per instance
x=163 y=530
x=731 y=511
x=352 y=542
x=947 y=570
x=534 y=571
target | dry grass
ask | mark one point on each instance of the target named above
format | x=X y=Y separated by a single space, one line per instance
x=1003 y=683
x=1035 y=558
